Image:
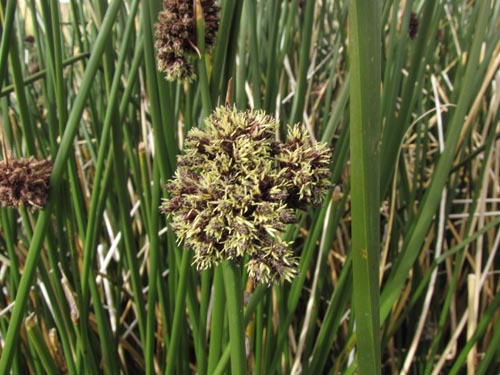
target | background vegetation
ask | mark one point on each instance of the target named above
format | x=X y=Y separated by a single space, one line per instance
x=96 y=283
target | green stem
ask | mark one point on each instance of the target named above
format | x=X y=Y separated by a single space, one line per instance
x=217 y=326
x=60 y=161
x=300 y=94
x=154 y=268
x=180 y=302
x=35 y=336
x=13 y=331
x=7 y=18
x=234 y=296
x=202 y=65
x=256 y=298
x=43 y=73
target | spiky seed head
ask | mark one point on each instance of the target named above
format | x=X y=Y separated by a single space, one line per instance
x=236 y=188
x=176 y=36
x=24 y=181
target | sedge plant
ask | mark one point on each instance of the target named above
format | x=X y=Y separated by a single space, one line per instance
x=269 y=187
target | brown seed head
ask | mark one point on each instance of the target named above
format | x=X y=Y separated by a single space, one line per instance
x=25 y=181
x=176 y=36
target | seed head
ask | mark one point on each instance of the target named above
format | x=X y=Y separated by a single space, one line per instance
x=304 y=165
x=24 y=181
x=236 y=188
x=176 y=36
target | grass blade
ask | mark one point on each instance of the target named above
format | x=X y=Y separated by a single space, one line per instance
x=365 y=71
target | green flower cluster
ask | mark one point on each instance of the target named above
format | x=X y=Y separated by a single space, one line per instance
x=237 y=187
x=176 y=36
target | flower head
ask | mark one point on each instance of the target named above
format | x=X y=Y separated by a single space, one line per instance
x=305 y=167
x=24 y=181
x=176 y=36
x=236 y=188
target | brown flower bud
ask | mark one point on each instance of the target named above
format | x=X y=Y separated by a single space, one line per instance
x=176 y=36
x=24 y=181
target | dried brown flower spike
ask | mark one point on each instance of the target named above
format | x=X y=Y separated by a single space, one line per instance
x=236 y=188
x=24 y=181
x=176 y=36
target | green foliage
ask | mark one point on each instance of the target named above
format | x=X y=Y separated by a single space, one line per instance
x=96 y=282
x=365 y=131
